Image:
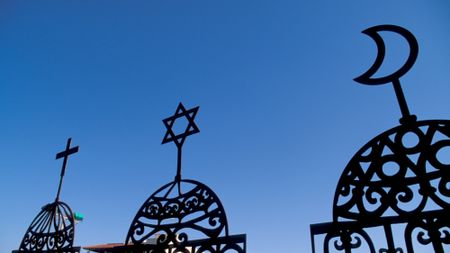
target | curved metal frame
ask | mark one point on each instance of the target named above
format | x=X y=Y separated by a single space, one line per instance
x=367 y=189
x=181 y=220
x=390 y=183
x=53 y=229
x=372 y=32
x=171 y=218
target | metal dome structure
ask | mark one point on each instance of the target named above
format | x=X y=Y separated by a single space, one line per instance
x=389 y=178
x=195 y=212
x=394 y=194
x=53 y=229
x=183 y=215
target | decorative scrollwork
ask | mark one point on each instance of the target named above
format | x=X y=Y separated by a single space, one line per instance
x=182 y=216
x=347 y=239
x=173 y=217
x=52 y=230
x=390 y=176
x=226 y=244
x=434 y=230
x=398 y=181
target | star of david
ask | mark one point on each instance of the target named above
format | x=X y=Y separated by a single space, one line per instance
x=190 y=129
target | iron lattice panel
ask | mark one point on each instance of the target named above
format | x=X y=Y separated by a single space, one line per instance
x=227 y=244
x=71 y=250
x=367 y=191
x=172 y=219
x=52 y=230
x=414 y=200
x=428 y=232
x=393 y=187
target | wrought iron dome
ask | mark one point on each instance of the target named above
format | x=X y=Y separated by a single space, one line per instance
x=53 y=229
x=388 y=178
x=183 y=215
x=396 y=179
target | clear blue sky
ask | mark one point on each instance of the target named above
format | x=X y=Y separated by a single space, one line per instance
x=280 y=115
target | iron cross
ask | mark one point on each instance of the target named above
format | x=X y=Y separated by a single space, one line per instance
x=65 y=154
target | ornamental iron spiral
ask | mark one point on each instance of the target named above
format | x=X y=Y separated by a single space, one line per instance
x=389 y=178
x=176 y=219
x=53 y=229
x=398 y=184
x=183 y=215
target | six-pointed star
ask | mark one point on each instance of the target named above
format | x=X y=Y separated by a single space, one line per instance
x=190 y=129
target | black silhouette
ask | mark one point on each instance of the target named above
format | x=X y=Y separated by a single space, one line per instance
x=53 y=229
x=66 y=153
x=179 y=139
x=393 y=78
x=393 y=184
x=183 y=215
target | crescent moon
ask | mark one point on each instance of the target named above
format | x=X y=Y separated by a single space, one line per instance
x=373 y=32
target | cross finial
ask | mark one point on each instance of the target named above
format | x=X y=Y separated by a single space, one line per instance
x=65 y=154
x=179 y=138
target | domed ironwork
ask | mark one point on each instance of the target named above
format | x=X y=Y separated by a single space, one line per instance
x=397 y=186
x=53 y=229
x=183 y=215
x=194 y=214
x=390 y=176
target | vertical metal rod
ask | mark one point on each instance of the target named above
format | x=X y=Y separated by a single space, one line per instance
x=437 y=246
x=435 y=236
x=348 y=249
x=401 y=99
x=59 y=189
x=389 y=238
x=178 y=176
x=312 y=243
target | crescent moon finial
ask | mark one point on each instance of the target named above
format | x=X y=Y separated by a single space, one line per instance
x=393 y=78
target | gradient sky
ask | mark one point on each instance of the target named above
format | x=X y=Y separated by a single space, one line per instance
x=280 y=114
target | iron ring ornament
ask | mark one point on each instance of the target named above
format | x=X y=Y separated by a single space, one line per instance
x=399 y=180
x=53 y=229
x=183 y=215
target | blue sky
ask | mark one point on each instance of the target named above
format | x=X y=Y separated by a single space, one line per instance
x=280 y=115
